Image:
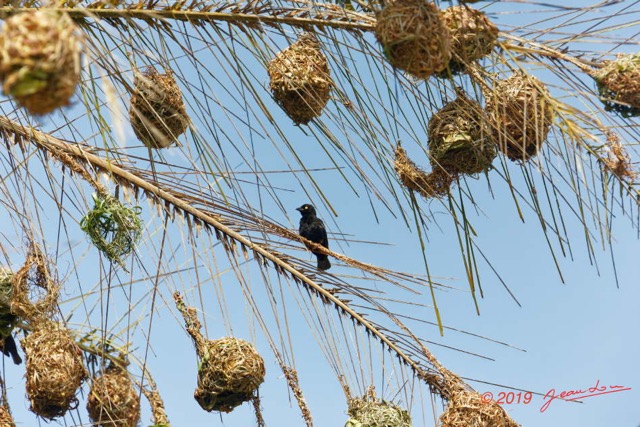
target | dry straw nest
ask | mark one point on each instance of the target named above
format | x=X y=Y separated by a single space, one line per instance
x=414 y=37
x=433 y=184
x=371 y=412
x=460 y=138
x=113 y=401
x=521 y=115
x=619 y=85
x=467 y=409
x=112 y=227
x=55 y=369
x=6 y=419
x=230 y=372
x=473 y=36
x=40 y=59
x=157 y=113
x=300 y=80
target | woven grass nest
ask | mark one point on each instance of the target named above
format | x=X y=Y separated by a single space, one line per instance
x=467 y=409
x=55 y=369
x=521 y=115
x=158 y=115
x=473 y=36
x=371 y=412
x=460 y=138
x=6 y=419
x=113 y=402
x=230 y=372
x=433 y=184
x=300 y=80
x=40 y=59
x=112 y=227
x=619 y=85
x=414 y=37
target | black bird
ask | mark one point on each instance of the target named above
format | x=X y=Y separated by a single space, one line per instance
x=9 y=348
x=312 y=228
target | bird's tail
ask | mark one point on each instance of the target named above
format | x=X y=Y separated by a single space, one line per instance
x=9 y=348
x=323 y=262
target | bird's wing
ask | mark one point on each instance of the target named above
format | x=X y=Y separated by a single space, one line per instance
x=322 y=234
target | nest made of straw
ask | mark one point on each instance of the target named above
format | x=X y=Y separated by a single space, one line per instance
x=113 y=401
x=473 y=36
x=520 y=112
x=371 y=412
x=230 y=372
x=40 y=59
x=433 y=184
x=55 y=369
x=414 y=37
x=158 y=115
x=619 y=85
x=300 y=80
x=112 y=227
x=467 y=409
x=460 y=138
x=6 y=419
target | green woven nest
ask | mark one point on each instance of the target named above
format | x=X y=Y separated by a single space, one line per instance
x=371 y=412
x=460 y=138
x=619 y=85
x=112 y=227
x=299 y=79
x=414 y=37
x=473 y=36
x=230 y=372
x=520 y=114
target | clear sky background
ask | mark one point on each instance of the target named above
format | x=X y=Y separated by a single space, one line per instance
x=565 y=335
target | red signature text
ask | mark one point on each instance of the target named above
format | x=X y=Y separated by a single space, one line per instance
x=570 y=395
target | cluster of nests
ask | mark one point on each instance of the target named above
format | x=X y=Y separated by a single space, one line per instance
x=55 y=368
x=420 y=39
x=464 y=138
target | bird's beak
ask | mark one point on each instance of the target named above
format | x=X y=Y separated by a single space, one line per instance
x=299 y=209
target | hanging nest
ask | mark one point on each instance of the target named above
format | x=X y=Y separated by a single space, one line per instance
x=521 y=115
x=414 y=37
x=230 y=372
x=473 y=37
x=230 y=369
x=6 y=419
x=55 y=369
x=467 y=409
x=113 y=402
x=460 y=138
x=300 y=80
x=35 y=292
x=619 y=85
x=434 y=184
x=617 y=159
x=368 y=411
x=40 y=59
x=157 y=114
x=112 y=227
